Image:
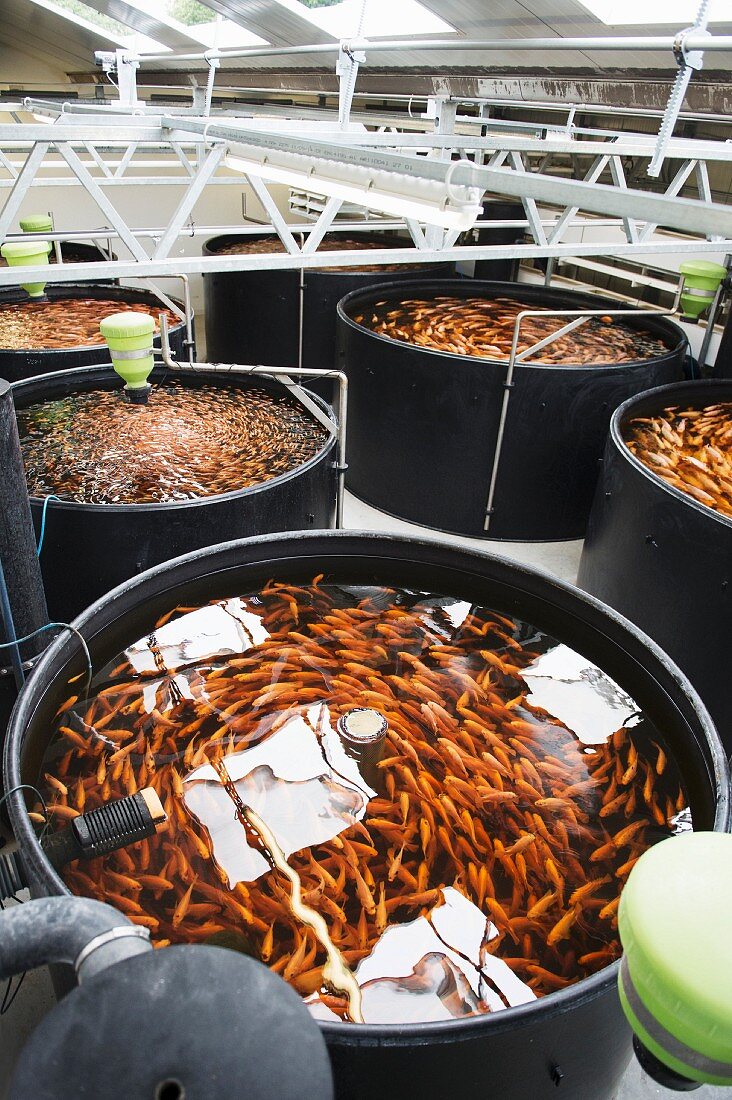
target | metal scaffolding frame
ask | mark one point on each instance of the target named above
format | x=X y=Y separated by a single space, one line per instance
x=429 y=172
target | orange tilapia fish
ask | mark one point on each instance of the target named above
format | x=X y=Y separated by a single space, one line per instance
x=484 y=327
x=690 y=449
x=190 y=443
x=477 y=790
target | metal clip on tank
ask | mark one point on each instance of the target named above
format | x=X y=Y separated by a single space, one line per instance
x=114 y=825
x=675 y=979
x=130 y=340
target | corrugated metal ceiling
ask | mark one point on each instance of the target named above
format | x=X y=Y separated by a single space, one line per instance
x=279 y=22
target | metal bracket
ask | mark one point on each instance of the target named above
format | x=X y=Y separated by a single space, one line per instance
x=689 y=62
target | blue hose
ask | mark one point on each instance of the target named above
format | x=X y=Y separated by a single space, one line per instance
x=6 y=613
x=42 y=535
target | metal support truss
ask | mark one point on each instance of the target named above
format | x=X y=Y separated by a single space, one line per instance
x=99 y=150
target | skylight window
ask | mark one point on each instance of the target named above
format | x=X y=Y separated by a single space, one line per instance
x=383 y=18
x=200 y=23
x=120 y=35
x=617 y=13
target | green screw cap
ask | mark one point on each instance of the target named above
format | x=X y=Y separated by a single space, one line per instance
x=27 y=254
x=675 y=979
x=37 y=223
x=701 y=281
x=130 y=339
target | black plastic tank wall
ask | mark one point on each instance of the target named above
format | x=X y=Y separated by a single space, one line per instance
x=254 y=316
x=504 y=210
x=663 y=559
x=723 y=361
x=422 y=424
x=574 y=1043
x=16 y=364
x=90 y=548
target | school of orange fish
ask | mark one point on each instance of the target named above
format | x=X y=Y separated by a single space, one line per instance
x=690 y=448
x=484 y=327
x=330 y=243
x=65 y=322
x=478 y=789
x=185 y=443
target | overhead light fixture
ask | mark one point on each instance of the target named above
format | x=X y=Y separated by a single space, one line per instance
x=400 y=195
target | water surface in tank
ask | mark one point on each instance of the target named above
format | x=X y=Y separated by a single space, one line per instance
x=65 y=322
x=187 y=442
x=469 y=858
x=484 y=327
x=689 y=448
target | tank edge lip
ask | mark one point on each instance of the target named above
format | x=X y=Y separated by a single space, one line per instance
x=108 y=288
x=386 y=1035
x=625 y=454
x=575 y=368
x=148 y=507
x=446 y=264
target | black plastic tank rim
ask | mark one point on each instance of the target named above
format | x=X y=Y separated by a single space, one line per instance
x=366 y=295
x=55 y=292
x=242 y=552
x=709 y=390
x=172 y=505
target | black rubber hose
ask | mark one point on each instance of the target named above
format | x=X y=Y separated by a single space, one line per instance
x=56 y=930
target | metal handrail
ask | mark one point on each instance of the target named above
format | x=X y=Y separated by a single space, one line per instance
x=285 y=374
x=580 y=316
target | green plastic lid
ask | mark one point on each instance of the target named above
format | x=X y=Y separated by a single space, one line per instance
x=703 y=268
x=18 y=249
x=126 y=326
x=37 y=223
x=676 y=974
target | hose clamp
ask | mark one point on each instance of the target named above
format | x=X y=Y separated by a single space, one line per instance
x=121 y=932
x=139 y=353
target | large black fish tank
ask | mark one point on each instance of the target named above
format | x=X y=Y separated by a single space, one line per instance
x=574 y=1040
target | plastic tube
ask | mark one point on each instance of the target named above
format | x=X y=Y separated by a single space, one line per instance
x=88 y=934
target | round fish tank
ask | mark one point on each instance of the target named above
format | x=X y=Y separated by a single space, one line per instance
x=116 y=487
x=61 y=331
x=262 y=316
x=410 y=778
x=427 y=366
x=659 y=540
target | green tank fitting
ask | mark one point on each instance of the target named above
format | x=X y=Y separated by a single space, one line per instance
x=130 y=340
x=27 y=254
x=701 y=282
x=37 y=223
x=675 y=978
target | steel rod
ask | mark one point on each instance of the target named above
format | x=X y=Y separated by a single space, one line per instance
x=134 y=269
x=286 y=373
x=609 y=42
x=580 y=317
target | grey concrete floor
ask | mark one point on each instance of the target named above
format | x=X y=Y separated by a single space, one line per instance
x=35 y=997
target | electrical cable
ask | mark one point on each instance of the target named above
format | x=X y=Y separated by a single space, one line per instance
x=60 y=626
x=42 y=535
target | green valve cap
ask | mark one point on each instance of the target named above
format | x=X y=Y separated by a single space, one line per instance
x=701 y=282
x=27 y=254
x=130 y=339
x=37 y=223
x=675 y=978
